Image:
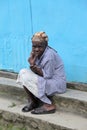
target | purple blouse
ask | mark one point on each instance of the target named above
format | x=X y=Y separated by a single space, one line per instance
x=54 y=79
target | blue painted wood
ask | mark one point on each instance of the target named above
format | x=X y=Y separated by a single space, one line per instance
x=64 y=21
x=15 y=34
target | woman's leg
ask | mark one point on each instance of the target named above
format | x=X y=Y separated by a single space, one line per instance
x=45 y=108
x=33 y=102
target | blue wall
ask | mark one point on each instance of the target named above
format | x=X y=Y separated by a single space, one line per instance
x=15 y=33
x=65 y=22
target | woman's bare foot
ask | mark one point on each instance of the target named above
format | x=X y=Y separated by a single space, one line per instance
x=49 y=106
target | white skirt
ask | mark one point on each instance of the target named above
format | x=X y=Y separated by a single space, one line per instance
x=28 y=79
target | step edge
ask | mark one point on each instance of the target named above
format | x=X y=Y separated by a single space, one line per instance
x=42 y=120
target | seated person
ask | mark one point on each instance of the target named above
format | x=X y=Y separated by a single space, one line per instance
x=45 y=77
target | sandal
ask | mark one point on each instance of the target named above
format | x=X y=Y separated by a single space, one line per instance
x=42 y=110
x=26 y=109
x=29 y=107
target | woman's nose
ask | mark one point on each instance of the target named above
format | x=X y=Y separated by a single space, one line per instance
x=36 y=49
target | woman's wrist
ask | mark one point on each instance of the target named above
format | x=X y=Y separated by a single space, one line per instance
x=36 y=69
x=32 y=65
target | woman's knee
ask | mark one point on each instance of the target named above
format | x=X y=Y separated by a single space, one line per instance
x=23 y=71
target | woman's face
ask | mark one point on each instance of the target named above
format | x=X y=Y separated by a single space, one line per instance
x=38 y=48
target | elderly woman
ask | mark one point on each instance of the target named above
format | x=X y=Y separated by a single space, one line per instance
x=45 y=77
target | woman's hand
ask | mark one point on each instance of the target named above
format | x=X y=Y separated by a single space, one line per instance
x=33 y=66
x=32 y=58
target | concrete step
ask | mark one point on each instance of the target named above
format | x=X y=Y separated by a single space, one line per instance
x=12 y=116
x=73 y=101
x=8 y=74
x=77 y=86
x=71 y=85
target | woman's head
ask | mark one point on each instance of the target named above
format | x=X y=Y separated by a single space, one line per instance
x=40 y=37
x=39 y=43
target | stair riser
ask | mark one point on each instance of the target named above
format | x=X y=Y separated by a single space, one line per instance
x=8 y=75
x=26 y=123
x=13 y=92
x=77 y=86
x=71 y=105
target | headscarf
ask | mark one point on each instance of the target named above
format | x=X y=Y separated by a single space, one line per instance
x=40 y=37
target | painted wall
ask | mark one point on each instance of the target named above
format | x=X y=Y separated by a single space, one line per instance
x=65 y=22
x=15 y=33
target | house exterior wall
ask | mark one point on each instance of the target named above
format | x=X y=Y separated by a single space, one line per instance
x=64 y=21
x=15 y=30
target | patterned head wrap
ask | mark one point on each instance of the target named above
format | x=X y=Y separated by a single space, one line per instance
x=40 y=37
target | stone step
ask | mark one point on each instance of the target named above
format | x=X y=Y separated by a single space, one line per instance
x=71 y=85
x=73 y=101
x=77 y=86
x=12 y=116
x=7 y=74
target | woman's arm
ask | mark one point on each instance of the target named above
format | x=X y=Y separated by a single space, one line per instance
x=36 y=70
x=33 y=66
